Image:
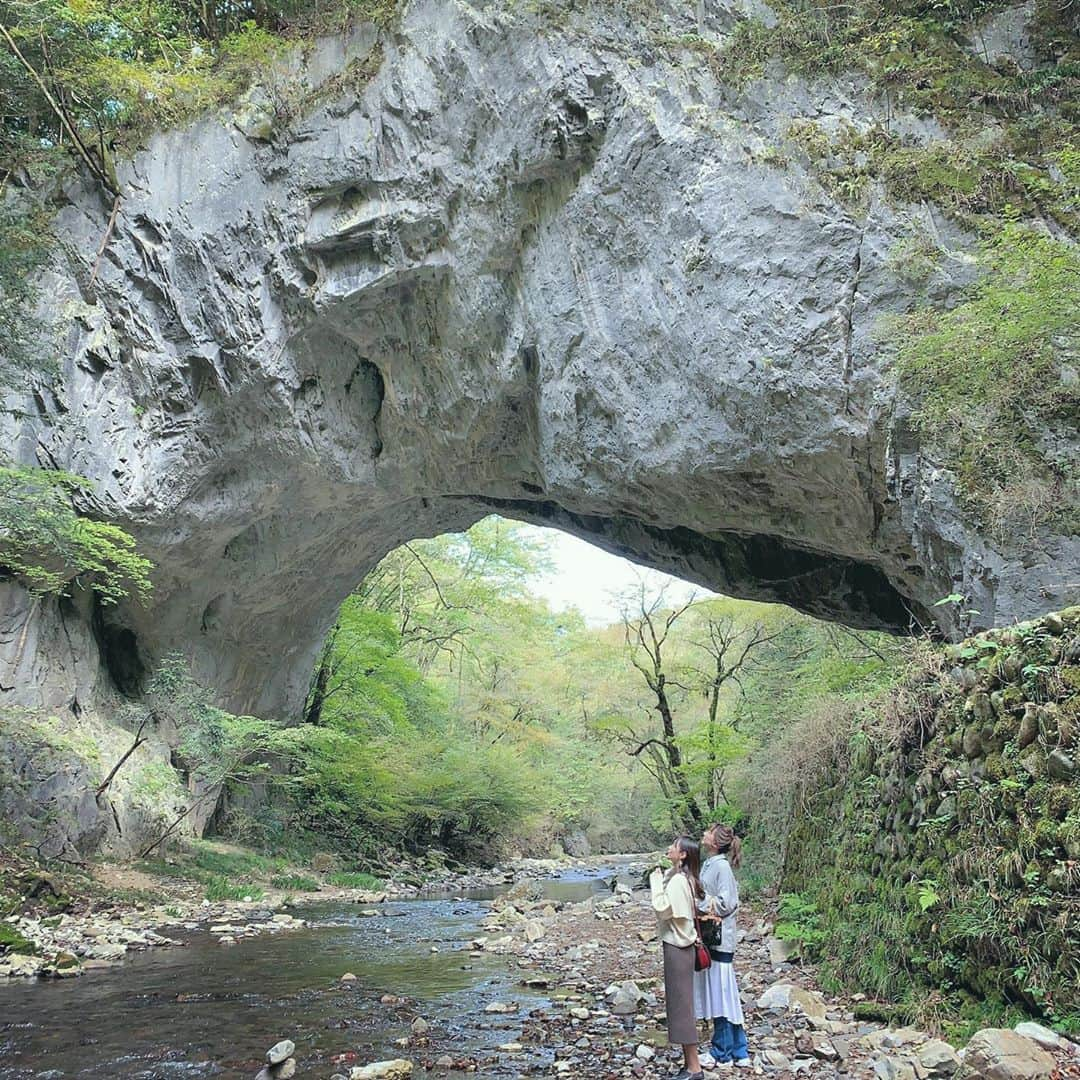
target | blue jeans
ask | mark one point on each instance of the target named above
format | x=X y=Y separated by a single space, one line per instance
x=728 y=1040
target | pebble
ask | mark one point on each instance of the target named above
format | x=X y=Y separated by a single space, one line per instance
x=280 y=1051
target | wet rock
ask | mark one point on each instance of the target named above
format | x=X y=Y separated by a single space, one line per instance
x=1001 y=1054
x=419 y=1026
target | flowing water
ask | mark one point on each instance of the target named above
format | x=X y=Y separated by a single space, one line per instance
x=208 y=1010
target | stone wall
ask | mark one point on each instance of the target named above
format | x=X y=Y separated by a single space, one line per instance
x=944 y=854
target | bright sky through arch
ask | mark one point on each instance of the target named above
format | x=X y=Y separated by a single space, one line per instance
x=592 y=580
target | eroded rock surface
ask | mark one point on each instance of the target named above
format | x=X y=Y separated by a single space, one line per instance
x=484 y=263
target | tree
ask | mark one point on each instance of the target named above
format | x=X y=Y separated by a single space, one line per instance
x=46 y=543
x=214 y=748
x=646 y=630
x=730 y=648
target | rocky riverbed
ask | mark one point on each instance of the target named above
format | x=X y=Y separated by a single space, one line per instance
x=94 y=932
x=551 y=976
x=598 y=962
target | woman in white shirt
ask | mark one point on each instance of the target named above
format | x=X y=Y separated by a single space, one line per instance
x=675 y=896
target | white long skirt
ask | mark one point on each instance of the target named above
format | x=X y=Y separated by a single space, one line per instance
x=716 y=993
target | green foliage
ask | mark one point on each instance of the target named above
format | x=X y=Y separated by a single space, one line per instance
x=11 y=941
x=799 y=921
x=354 y=879
x=447 y=709
x=996 y=387
x=216 y=746
x=44 y=541
x=24 y=243
x=222 y=888
x=294 y=883
x=87 y=74
x=950 y=890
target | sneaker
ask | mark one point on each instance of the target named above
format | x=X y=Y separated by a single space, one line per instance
x=684 y=1074
x=744 y=1063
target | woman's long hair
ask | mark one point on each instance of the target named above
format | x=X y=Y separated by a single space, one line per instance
x=727 y=843
x=691 y=865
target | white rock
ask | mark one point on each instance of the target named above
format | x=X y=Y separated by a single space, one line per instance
x=1042 y=1035
x=280 y=1051
x=398 y=1069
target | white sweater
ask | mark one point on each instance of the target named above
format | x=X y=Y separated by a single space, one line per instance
x=673 y=903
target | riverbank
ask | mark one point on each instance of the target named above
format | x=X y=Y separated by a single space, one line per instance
x=600 y=964
x=62 y=921
x=520 y=983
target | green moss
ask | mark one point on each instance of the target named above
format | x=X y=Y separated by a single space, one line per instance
x=11 y=941
x=953 y=923
x=987 y=375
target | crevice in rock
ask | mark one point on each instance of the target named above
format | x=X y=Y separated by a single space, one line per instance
x=367 y=379
x=847 y=309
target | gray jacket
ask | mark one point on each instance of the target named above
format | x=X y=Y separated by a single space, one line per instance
x=721 y=898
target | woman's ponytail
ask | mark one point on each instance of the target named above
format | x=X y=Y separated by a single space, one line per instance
x=728 y=844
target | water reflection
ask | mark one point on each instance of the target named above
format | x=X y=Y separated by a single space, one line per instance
x=211 y=1010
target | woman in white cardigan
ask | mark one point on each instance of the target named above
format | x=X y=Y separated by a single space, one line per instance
x=675 y=896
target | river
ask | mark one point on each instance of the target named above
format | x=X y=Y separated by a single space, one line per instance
x=207 y=1010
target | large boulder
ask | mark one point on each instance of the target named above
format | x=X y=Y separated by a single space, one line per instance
x=1001 y=1054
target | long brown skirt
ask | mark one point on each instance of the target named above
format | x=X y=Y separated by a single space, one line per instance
x=679 y=994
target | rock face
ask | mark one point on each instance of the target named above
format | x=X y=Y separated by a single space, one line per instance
x=484 y=265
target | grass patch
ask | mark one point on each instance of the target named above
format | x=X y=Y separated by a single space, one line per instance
x=354 y=879
x=219 y=863
x=220 y=888
x=295 y=883
x=11 y=941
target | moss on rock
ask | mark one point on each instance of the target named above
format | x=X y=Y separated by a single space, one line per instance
x=971 y=899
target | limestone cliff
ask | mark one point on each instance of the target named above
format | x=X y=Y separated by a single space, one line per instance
x=485 y=263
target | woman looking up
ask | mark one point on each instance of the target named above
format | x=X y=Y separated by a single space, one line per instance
x=716 y=993
x=675 y=896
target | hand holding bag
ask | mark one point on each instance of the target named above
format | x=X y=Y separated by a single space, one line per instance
x=702 y=959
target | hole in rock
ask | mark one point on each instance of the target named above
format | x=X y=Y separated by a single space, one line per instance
x=119 y=651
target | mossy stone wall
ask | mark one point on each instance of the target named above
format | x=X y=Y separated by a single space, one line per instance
x=944 y=863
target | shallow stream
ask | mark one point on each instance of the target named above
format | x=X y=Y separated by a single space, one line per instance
x=208 y=1010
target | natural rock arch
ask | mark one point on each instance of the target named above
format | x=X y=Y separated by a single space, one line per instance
x=489 y=266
